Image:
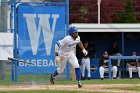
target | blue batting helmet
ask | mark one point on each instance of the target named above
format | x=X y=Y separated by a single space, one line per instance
x=73 y=29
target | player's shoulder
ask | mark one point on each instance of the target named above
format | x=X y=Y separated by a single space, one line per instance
x=78 y=37
x=67 y=37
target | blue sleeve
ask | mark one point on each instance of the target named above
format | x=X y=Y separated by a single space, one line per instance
x=58 y=43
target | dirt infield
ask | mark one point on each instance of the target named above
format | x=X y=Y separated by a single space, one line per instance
x=86 y=87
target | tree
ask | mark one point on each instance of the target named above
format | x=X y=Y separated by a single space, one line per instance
x=128 y=15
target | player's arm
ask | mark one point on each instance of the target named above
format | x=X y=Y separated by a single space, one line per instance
x=58 y=45
x=128 y=63
x=138 y=63
x=56 y=53
x=82 y=47
x=56 y=49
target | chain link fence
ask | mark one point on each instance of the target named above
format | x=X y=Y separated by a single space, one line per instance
x=5 y=66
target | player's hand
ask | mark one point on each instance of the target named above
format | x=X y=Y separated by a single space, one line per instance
x=56 y=48
x=57 y=59
x=85 y=52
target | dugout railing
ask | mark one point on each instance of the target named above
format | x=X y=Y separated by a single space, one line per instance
x=119 y=58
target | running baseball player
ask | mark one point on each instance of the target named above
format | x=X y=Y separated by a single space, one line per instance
x=65 y=52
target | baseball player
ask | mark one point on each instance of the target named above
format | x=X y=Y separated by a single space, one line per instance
x=132 y=65
x=65 y=52
x=115 y=51
x=86 y=62
x=104 y=66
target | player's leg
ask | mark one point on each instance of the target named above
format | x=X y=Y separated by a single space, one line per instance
x=61 y=66
x=114 y=69
x=130 y=72
x=74 y=62
x=138 y=68
x=88 y=67
x=101 y=71
x=83 y=68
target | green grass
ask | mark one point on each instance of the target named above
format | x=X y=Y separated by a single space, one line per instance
x=136 y=88
x=33 y=77
x=45 y=78
x=106 y=81
x=67 y=82
x=6 y=83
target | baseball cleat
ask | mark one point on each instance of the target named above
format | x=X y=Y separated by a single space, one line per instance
x=79 y=85
x=114 y=78
x=88 y=78
x=52 y=79
x=102 y=78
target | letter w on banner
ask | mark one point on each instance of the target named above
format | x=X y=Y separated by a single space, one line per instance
x=39 y=28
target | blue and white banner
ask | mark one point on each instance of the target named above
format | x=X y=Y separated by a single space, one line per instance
x=39 y=28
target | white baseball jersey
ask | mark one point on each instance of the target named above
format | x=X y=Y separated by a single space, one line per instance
x=67 y=45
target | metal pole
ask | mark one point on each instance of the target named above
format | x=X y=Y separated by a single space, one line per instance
x=123 y=54
x=67 y=17
x=122 y=43
x=99 y=11
x=109 y=64
x=14 y=65
x=66 y=32
x=11 y=26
